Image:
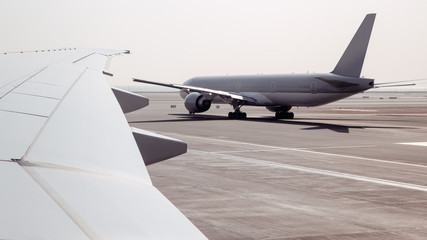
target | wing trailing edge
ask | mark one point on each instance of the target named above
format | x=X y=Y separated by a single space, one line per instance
x=129 y=101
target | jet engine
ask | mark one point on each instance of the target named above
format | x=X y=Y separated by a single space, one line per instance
x=196 y=102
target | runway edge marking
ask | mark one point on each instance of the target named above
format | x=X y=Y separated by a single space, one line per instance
x=317 y=171
x=423 y=144
x=300 y=150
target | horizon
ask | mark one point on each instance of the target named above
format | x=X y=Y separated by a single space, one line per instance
x=171 y=41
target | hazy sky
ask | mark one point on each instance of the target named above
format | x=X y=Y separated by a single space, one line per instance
x=172 y=41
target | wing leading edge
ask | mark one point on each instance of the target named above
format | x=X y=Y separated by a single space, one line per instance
x=226 y=96
x=69 y=164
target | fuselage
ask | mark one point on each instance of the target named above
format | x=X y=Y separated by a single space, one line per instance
x=285 y=89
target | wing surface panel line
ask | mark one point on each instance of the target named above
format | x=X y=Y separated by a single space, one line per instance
x=53 y=112
x=68 y=210
x=41 y=70
x=83 y=57
x=75 y=169
x=31 y=114
x=35 y=95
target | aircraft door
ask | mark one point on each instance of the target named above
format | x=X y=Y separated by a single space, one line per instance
x=313 y=87
x=238 y=86
x=273 y=86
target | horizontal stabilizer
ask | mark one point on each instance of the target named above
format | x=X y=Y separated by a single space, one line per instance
x=395 y=85
x=402 y=83
x=129 y=101
x=155 y=147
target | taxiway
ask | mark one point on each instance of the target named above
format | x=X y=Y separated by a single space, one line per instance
x=353 y=169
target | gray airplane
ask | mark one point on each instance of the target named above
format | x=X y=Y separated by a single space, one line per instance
x=280 y=92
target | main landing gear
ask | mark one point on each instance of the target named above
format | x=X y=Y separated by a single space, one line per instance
x=284 y=115
x=282 y=111
x=237 y=114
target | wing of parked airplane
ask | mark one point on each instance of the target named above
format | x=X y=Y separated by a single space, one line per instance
x=70 y=167
x=226 y=96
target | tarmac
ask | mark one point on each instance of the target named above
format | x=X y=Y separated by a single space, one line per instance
x=353 y=169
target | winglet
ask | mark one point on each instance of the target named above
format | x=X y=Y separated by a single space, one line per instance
x=351 y=62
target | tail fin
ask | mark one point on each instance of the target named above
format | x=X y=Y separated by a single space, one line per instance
x=351 y=62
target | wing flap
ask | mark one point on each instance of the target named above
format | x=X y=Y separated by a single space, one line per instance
x=41 y=90
x=88 y=131
x=28 y=212
x=108 y=207
x=39 y=93
x=17 y=133
x=155 y=147
x=27 y=104
x=129 y=101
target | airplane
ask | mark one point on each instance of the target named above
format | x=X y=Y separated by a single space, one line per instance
x=280 y=92
x=71 y=167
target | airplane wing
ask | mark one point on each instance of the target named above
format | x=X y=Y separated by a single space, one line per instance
x=70 y=167
x=226 y=96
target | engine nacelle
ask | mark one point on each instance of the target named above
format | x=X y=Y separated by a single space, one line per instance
x=196 y=102
x=278 y=108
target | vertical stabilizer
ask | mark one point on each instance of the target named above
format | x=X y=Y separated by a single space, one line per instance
x=351 y=62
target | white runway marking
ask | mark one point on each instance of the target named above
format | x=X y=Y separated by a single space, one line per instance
x=337 y=147
x=299 y=150
x=424 y=144
x=279 y=149
x=318 y=171
x=354 y=110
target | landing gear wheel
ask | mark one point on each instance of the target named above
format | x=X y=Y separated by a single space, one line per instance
x=230 y=115
x=284 y=115
x=237 y=115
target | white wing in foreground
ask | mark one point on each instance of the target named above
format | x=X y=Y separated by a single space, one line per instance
x=69 y=165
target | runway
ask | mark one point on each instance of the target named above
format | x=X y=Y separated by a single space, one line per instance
x=353 y=169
